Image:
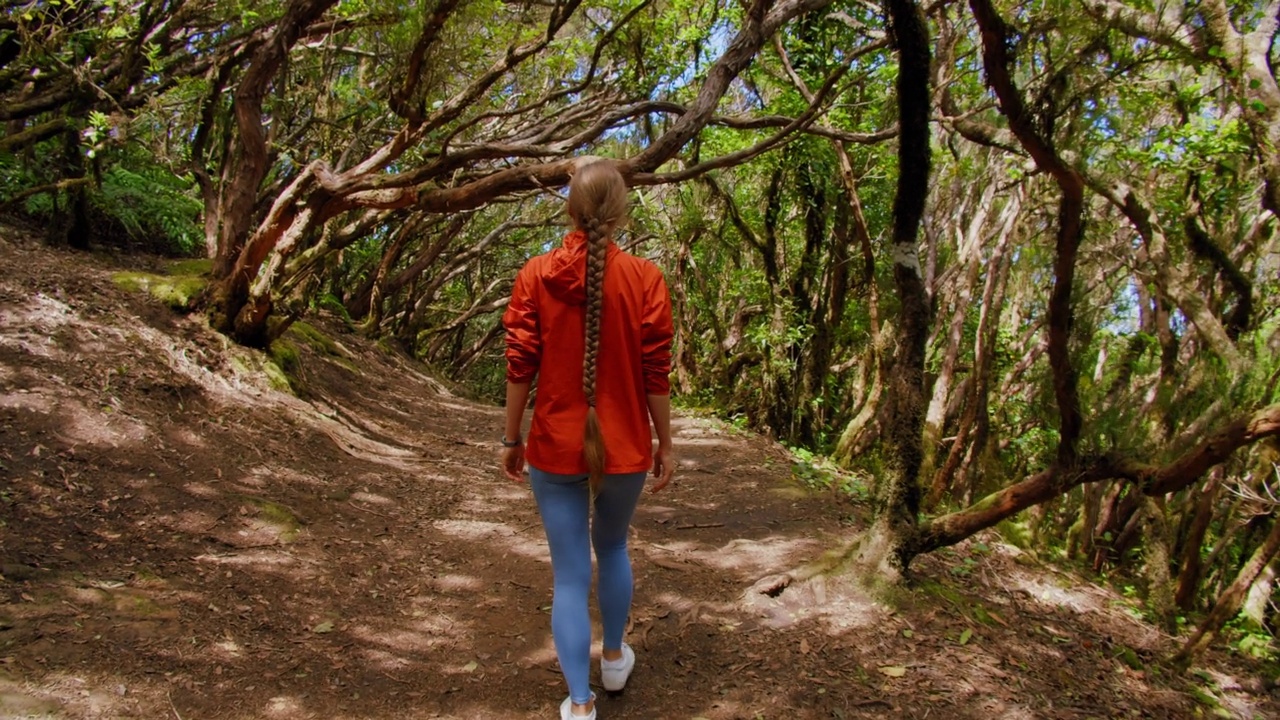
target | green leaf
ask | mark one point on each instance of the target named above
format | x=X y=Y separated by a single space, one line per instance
x=893 y=671
x=324 y=627
x=964 y=636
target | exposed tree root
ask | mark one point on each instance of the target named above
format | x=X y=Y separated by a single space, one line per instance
x=869 y=560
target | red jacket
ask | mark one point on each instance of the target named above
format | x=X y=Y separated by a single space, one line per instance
x=544 y=323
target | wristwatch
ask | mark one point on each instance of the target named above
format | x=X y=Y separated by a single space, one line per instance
x=512 y=443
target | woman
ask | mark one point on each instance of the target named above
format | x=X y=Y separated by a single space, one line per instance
x=594 y=324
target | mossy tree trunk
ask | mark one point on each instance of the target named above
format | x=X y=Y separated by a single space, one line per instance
x=898 y=487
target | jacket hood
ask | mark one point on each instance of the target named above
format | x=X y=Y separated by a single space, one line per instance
x=565 y=276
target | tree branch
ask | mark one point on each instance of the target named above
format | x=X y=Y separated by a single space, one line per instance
x=1180 y=473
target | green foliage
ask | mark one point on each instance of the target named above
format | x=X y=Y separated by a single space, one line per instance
x=154 y=208
x=330 y=303
x=133 y=203
x=817 y=472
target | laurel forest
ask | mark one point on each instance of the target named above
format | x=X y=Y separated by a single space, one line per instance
x=985 y=265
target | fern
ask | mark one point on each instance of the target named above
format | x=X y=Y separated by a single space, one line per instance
x=151 y=204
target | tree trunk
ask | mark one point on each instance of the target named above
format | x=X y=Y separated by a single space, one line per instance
x=1232 y=599
x=372 y=302
x=969 y=258
x=1156 y=564
x=245 y=168
x=1070 y=221
x=1258 y=601
x=1193 y=544
x=974 y=420
x=898 y=488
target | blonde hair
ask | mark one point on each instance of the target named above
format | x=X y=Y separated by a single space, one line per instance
x=597 y=205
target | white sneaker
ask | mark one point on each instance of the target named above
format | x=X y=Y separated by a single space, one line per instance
x=566 y=710
x=614 y=673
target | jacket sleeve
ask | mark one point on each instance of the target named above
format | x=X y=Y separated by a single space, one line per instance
x=524 y=342
x=656 y=333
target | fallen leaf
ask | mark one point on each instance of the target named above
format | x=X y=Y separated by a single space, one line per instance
x=804 y=646
x=964 y=636
x=908 y=633
x=471 y=666
x=323 y=627
x=893 y=671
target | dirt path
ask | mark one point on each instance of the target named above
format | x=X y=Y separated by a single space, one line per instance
x=180 y=540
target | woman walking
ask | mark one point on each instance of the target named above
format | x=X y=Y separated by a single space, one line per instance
x=593 y=323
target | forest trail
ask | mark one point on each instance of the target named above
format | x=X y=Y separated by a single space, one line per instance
x=181 y=540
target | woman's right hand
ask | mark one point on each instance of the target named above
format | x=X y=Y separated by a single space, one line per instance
x=513 y=462
x=664 y=466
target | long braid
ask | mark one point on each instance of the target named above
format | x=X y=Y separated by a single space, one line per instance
x=597 y=254
x=598 y=206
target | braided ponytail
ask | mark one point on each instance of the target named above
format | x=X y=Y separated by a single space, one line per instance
x=597 y=204
x=593 y=440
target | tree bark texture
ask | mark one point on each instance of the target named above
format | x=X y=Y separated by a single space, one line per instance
x=898 y=494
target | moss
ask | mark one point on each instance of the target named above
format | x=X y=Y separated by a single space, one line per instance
x=323 y=345
x=278 y=515
x=1014 y=533
x=285 y=355
x=1209 y=700
x=943 y=592
x=277 y=377
x=315 y=339
x=1130 y=658
x=239 y=366
x=145 y=606
x=973 y=611
x=981 y=615
x=389 y=346
x=145 y=575
x=200 y=266
x=179 y=292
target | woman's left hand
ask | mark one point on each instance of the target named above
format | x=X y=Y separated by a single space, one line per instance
x=513 y=462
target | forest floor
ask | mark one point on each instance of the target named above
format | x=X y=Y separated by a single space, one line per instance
x=182 y=540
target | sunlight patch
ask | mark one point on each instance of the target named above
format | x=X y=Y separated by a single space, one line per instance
x=281 y=706
x=228 y=649
x=753 y=558
x=187 y=437
x=473 y=529
x=385 y=661
x=543 y=656
x=456 y=583
x=707 y=442
x=372 y=498
x=27 y=400
x=838 y=602
x=402 y=640
x=190 y=521
x=267 y=559
x=99 y=427
x=1053 y=595
x=200 y=489
x=428 y=620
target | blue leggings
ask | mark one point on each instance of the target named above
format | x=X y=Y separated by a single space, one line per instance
x=562 y=502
